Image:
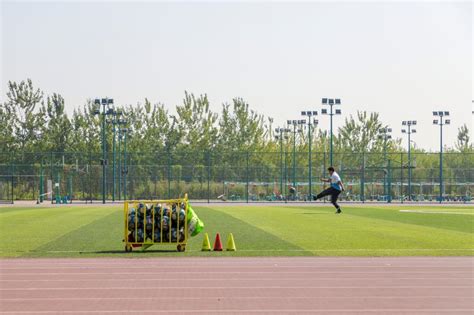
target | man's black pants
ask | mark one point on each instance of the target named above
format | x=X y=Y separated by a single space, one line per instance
x=331 y=191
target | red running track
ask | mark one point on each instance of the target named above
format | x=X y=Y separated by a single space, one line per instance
x=407 y=285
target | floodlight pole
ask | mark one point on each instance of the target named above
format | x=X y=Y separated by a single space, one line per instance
x=409 y=163
x=125 y=170
x=441 y=160
x=113 y=156
x=104 y=157
x=310 y=115
x=330 y=145
x=119 y=165
x=294 y=156
x=331 y=102
x=441 y=122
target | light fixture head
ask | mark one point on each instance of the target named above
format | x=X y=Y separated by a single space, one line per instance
x=446 y=113
x=389 y=137
x=315 y=113
x=110 y=101
x=303 y=113
x=338 y=112
x=331 y=101
x=288 y=122
x=435 y=113
x=96 y=111
x=97 y=101
x=315 y=121
x=404 y=123
x=413 y=131
x=413 y=122
x=338 y=101
x=325 y=101
x=324 y=111
x=104 y=101
x=447 y=122
x=435 y=122
x=404 y=131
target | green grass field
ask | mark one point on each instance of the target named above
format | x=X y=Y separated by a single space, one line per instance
x=97 y=231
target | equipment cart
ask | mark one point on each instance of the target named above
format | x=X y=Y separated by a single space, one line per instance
x=156 y=222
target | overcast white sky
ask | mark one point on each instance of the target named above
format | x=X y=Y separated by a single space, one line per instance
x=400 y=59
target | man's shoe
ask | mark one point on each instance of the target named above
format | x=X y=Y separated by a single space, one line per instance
x=338 y=211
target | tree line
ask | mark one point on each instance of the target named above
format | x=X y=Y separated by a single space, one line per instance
x=35 y=122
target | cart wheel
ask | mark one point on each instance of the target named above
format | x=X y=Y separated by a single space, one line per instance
x=181 y=248
x=128 y=248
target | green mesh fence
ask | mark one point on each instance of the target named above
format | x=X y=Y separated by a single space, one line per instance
x=233 y=176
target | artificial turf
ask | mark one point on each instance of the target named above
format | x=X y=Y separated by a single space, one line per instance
x=263 y=230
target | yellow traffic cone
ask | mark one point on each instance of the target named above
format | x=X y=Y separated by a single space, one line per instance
x=206 y=245
x=231 y=243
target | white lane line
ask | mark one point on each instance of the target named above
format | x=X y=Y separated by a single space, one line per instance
x=262 y=310
x=436 y=212
x=275 y=269
x=181 y=298
x=234 y=288
x=239 y=279
x=240 y=273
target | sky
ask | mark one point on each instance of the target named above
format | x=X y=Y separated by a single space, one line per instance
x=403 y=60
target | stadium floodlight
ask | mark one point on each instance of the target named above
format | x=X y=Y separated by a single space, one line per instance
x=96 y=111
x=104 y=101
x=441 y=122
x=288 y=122
x=315 y=113
x=97 y=101
x=389 y=130
x=110 y=101
x=315 y=121
x=331 y=102
x=408 y=130
x=389 y=137
x=295 y=122
x=303 y=113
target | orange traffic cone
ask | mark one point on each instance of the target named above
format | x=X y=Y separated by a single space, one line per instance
x=217 y=243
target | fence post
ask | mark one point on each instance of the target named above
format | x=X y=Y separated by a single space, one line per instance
x=389 y=181
x=401 y=177
x=208 y=176
x=247 y=186
x=362 y=179
x=169 y=175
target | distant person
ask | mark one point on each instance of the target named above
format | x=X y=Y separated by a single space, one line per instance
x=336 y=188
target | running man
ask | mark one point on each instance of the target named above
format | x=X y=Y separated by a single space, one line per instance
x=336 y=188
